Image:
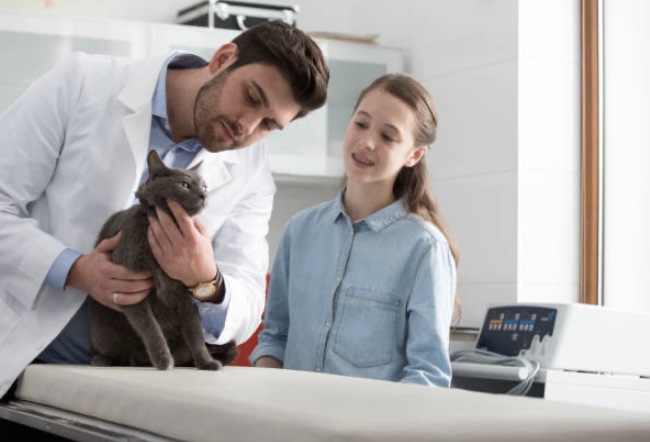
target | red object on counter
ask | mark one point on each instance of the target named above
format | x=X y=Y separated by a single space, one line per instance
x=247 y=347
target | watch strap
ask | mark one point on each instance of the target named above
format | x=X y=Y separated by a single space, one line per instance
x=217 y=293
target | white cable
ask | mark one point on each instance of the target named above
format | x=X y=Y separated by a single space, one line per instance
x=488 y=357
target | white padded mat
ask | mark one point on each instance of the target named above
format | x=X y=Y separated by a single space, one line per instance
x=256 y=404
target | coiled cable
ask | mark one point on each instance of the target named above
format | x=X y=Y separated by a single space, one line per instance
x=488 y=357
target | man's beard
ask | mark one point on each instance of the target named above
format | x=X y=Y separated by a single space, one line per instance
x=207 y=107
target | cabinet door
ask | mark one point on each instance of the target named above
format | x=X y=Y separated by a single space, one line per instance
x=312 y=147
x=353 y=67
x=30 y=44
x=194 y=39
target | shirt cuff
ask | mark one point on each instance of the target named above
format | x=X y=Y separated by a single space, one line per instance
x=213 y=317
x=58 y=273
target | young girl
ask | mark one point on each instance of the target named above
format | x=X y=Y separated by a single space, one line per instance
x=364 y=285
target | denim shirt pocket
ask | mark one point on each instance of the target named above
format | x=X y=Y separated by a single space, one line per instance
x=366 y=332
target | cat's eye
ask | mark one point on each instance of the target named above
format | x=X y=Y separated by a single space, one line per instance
x=185 y=184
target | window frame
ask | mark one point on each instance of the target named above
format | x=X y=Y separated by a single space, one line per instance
x=591 y=155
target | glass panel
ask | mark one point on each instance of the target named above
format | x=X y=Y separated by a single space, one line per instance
x=304 y=137
x=348 y=79
x=26 y=56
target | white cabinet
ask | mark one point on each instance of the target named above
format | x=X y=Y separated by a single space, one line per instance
x=308 y=149
x=32 y=44
x=197 y=40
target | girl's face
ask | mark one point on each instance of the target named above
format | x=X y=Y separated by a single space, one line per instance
x=380 y=139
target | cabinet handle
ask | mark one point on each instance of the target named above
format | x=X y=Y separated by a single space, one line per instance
x=240 y=22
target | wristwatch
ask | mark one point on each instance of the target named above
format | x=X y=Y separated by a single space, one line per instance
x=204 y=290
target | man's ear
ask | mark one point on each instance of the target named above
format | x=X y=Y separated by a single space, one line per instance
x=224 y=56
x=416 y=156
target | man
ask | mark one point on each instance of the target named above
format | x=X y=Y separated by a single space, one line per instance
x=73 y=152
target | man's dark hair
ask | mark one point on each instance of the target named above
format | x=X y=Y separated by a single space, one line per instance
x=294 y=53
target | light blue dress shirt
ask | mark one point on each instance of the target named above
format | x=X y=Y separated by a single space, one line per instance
x=72 y=345
x=370 y=299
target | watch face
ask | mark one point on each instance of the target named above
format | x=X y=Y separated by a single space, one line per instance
x=204 y=292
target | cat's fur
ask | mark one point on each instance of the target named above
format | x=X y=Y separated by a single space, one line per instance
x=164 y=330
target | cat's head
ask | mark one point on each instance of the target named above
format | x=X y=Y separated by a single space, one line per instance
x=184 y=186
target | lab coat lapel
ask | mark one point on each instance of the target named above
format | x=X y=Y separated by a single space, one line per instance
x=137 y=127
x=137 y=96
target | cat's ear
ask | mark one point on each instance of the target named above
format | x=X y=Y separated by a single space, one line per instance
x=155 y=164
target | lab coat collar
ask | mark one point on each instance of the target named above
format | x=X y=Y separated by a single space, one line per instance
x=139 y=91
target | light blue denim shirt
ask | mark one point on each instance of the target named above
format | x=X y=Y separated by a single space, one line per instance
x=369 y=299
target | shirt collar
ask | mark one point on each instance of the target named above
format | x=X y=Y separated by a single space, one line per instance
x=378 y=220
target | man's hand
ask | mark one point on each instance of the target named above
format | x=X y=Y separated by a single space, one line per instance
x=185 y=251
x=109 y=284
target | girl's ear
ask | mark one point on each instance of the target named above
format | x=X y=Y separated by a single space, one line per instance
x=224 y=56
x=416 y=156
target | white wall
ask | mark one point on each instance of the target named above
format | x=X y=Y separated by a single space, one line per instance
x=505 y=163
x=627 y=155
x=549 y=151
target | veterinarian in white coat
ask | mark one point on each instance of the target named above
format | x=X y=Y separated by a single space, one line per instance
x=73 y=152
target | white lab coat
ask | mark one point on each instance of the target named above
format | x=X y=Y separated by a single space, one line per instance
x=72 y=151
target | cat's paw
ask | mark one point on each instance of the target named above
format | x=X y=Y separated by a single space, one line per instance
x=100 y=361
x=225 y=353
x=211 y=365
x=163 y=362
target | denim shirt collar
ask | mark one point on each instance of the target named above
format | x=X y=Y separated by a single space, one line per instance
x=375 y=222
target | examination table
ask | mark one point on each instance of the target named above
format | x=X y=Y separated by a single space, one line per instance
x=86 y=403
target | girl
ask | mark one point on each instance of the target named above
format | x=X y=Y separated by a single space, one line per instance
x=364 y=285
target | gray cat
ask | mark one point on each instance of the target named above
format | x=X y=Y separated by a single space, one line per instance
x=165 y=329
